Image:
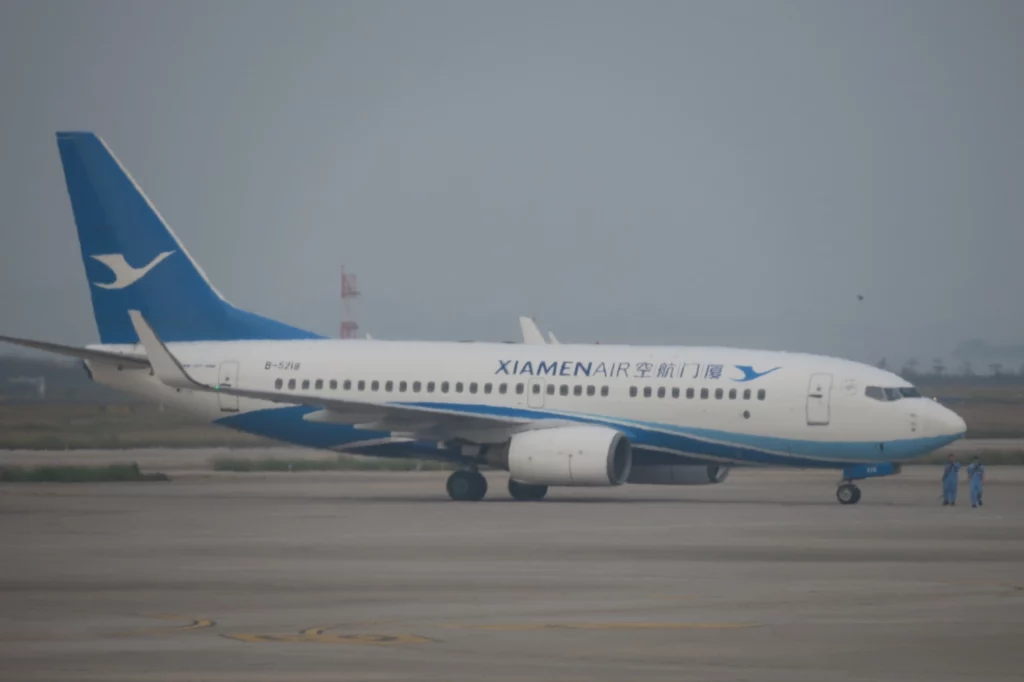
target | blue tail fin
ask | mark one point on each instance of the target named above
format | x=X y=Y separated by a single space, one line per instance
x=134 y=262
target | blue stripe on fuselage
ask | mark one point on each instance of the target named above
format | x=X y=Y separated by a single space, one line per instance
x=287 y=424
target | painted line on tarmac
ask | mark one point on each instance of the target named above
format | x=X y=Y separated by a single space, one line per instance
x=191 y=624
x=321 y=635
x=607 y=626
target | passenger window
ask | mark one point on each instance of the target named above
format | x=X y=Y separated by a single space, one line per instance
x=519 y=389
x=430 y=387
x=604 y=391
x=551 y=389
x=361 y=385
x=444 y=387
x=746 y=394
x=416 y=386
x=374 y=385
x=503 y=388
x=305 y=384
x=564 y=390
x=279 y=383
x=661 y=391
x=291 y=384
x=632 y=391
x=347 y=385
x=761 y=394
x=689 y=393
x=675 y=392
x=647 y=391
x=458 y=387
x=591 y=390
x=536 y=388
x=732 y=394
x=319 y=385
x=402 y=386
x=334 y=384
x=577 y=390
x=487 y=388
x=703 y=394
x=389 y=386
x=472 y=387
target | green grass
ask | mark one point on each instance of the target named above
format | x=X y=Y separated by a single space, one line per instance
x=78 y=474
x=341 y=463
x=988 y=458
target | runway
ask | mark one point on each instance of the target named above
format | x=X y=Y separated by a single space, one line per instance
x=378 y=576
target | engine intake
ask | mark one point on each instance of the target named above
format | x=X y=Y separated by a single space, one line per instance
x=570 y=456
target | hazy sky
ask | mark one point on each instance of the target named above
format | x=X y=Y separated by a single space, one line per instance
x=647 y=172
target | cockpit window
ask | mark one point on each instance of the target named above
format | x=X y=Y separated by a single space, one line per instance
x=891 y=394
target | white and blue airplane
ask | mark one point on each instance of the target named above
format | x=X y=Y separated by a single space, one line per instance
x=550 y=415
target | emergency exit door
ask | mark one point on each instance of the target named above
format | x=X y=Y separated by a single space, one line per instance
x=535 y=398
x=819 y=395
x=227 y=377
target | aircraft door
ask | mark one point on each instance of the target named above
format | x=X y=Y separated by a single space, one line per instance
x=535 y=390
x=227 y=376
x=819 y=396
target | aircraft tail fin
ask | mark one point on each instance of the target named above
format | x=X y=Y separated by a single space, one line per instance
x=133 y=261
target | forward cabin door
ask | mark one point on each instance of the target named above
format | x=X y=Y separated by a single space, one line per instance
x=819 y=397
x=227 y=377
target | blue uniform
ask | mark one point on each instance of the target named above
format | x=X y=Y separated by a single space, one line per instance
x=949 y=482
x=975 y=475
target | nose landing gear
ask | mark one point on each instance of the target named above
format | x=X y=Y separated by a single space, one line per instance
x=848 y=493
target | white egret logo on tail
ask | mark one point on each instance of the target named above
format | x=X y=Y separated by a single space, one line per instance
x=124 y=274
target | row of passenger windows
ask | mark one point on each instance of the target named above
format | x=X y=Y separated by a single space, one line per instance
x=890 y=394
x=445 y=387
x=431 y=386
x=692 y=393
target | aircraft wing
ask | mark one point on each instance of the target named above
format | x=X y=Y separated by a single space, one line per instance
x=531 y=333
x=74 y=352
x=422 y=422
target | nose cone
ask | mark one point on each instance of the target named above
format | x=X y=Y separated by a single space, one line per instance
x=945 y=422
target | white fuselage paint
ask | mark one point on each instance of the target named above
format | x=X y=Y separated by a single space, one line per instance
x=789 y=413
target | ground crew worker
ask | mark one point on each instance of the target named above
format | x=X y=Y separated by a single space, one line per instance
x=950 y=478
x=976 y=475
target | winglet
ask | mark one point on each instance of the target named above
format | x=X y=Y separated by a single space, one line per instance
x=531 y=333
x=165 y=366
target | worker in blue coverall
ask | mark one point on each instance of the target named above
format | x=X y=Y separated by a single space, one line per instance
x=976 y=476
x=950 y=477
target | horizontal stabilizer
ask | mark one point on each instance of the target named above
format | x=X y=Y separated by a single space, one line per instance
x=75 y=352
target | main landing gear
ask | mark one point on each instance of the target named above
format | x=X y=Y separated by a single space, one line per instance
x=848 y=492
x=469 y=486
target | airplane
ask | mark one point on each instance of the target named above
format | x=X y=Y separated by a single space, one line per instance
x=565 y=415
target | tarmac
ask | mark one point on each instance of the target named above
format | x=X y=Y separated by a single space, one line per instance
x=378 y=576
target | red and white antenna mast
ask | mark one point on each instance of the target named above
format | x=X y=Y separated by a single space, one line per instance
x=349 y=327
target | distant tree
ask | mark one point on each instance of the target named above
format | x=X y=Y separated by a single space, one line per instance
x=910 y=367
x=938 y=367
x=997 y=369
x=882 y=364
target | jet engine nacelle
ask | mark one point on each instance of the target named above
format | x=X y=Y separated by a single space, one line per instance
x=570 y=456
x=679 y=474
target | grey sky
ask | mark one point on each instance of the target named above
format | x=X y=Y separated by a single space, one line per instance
x=646 y=172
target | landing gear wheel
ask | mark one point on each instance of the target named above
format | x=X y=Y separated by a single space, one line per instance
x=848 y=493
x=526 y=491
x=468 y=486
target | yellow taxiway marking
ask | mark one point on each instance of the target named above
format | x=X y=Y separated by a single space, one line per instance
x=322 y=636
x=609 y=626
